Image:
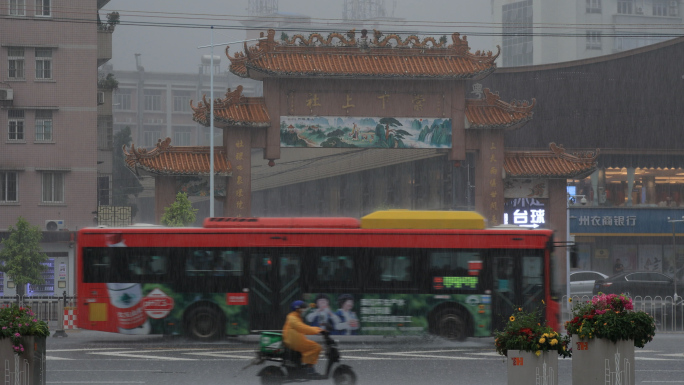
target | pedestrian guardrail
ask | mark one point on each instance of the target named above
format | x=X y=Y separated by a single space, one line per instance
x=668 y=315
x=50 y=309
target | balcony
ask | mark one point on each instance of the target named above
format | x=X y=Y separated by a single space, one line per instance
x=104 y=45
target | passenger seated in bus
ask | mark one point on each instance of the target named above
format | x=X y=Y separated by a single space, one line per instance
x=294 y=336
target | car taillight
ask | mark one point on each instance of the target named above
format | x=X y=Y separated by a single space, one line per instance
x=606 y=284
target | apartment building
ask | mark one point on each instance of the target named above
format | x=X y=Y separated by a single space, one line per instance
x=50 y=51
x=543 y=31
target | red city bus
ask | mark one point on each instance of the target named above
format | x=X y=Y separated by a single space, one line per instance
x=393 y=272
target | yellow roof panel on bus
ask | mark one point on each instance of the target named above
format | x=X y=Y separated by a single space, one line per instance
x=416 y=219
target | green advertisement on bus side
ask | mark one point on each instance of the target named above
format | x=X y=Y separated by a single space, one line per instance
x=393 y=314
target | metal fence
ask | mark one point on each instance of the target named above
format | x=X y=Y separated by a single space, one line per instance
x=668 y=315
x=47 y=308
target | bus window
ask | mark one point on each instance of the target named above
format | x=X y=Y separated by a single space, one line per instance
x=97 y=265
x=335 y=269
x=227 y=263
x=388 y=269
x=147 y=264
x=532 y=281
x=449 y=270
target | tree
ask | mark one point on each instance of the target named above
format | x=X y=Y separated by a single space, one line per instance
x=180 y=213
x=21 y=255
x=124 y=182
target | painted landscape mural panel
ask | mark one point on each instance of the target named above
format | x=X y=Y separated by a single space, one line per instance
x=360 y=132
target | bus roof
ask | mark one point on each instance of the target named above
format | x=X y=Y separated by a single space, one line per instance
x=386 y=219
x=416 y=219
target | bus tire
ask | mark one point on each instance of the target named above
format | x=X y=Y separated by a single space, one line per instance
x=452 y=325
x=204 y=324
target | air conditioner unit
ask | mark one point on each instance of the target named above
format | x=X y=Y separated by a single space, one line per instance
x=100 y=98
x=7 y=94
x=156 y=121
x=54 y=224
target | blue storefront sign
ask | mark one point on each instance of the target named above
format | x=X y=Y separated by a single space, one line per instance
x=624 y=221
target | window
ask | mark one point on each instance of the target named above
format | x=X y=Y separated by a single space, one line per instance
x=660 y=8
x=122 y=100
x=103 y=195
x=455 y=270
x=105 y=126
x=8 y=186
x=593 y=6
x=335 y=269
x=15 y=63
x=214 y=263
x=152 y=100
x=181 y=102
x=43 y=126
x=17 y=7
x=517 y=33
x=389 y=269
x=593 y=39
x=626 y=7
x=43 y=63
x=53 y=187
x=151 y=137
x=15 y=128
x=43 y=8
x=181 y=137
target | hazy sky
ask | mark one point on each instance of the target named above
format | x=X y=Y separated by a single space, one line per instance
x=174 y=49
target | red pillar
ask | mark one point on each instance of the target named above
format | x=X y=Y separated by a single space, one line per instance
x=164 y=194
x=238 y=145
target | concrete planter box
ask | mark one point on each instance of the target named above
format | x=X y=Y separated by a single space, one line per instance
x=600 y=361
x=28 y=366
x=526 y=368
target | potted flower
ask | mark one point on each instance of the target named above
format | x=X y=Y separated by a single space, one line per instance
x=532 y=348
x=22 y=341
x=604 y=333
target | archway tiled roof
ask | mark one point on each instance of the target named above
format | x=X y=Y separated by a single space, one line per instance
x=176 y=161
x=345 y=56
x=491 y=112
x=233 y=110
x=549 y=164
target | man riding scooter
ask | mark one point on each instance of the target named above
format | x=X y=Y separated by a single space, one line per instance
x=294 y=336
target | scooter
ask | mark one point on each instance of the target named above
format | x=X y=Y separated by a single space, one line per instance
x=291 y=368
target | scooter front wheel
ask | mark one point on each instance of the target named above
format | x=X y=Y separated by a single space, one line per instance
x=344 y=375
x=271 y=375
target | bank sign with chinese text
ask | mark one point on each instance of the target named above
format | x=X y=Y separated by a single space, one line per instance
x=624 y=221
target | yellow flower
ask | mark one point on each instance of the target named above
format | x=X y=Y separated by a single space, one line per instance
x=512 y=319
x=553 y=342
x=570 y=299
x=543 y=303
x=563 y=347
x=538 y=353
x=542 y=340
x=519 y=309
x=546 y=335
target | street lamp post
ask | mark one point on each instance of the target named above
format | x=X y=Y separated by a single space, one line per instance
x=571 y=198
x=211 y=107
x=674 y=254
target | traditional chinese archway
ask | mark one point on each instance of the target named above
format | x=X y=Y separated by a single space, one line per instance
x=344 y=91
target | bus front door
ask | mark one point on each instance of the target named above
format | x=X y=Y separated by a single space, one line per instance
x=274 y=283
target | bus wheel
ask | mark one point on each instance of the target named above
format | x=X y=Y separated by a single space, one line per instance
x=204 y=323
x=452 y=325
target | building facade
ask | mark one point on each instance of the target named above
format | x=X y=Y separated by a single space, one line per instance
x=541 y=31
x=49 y=123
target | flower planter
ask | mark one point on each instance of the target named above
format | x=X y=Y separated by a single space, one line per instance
x=525 y=368
x=29 y=366
x=601 y=361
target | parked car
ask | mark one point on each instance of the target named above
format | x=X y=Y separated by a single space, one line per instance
x=582 y=282
x=637 y=284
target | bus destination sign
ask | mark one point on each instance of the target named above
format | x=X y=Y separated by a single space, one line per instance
x=446 y=283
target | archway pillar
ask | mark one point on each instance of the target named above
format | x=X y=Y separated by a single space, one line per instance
x=164 y=194
x=489 y=197
x=238 y=200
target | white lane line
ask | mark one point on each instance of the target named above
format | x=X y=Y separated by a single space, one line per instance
x=50 y=358
x=655 y=359
x=83 y=350
x=672 y=355
x=346 y=357
x=95 y=382
x=131 y=354
x=220 y=355
x=488 y=354
x=426 y=351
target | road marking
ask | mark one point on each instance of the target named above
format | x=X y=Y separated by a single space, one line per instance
x=672 y=355
x=58 y=358
x=83 y=350
x=131 y=354
x=655 y=359
x=426 y=351
x=487 y=354
x=220 y=355
x=346 y=357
